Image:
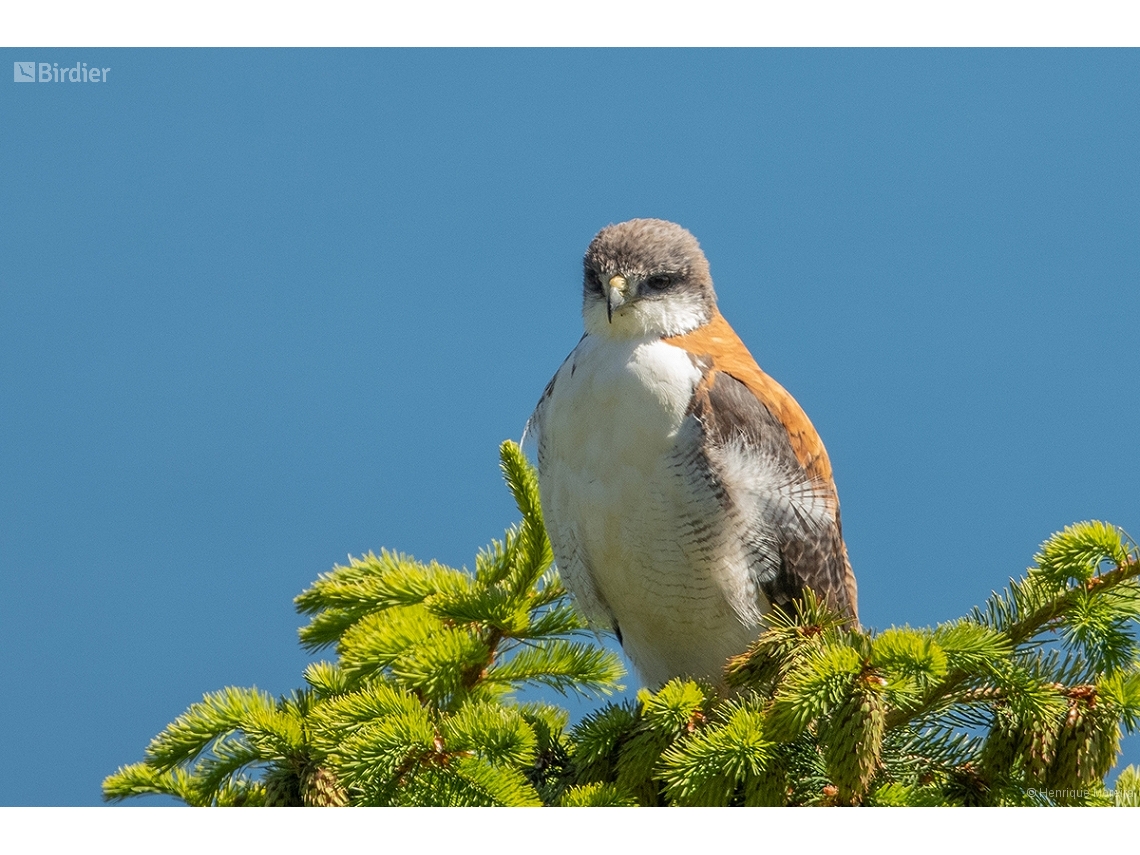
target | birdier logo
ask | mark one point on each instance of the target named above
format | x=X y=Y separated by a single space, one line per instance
x=51 y=72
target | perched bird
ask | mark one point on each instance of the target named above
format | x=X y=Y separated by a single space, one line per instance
x=684 y=490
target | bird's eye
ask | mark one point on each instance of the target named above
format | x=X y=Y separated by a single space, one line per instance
x=593 y=281
x=659 y=282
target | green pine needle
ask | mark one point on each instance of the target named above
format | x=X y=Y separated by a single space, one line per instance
x=1078 y=553
x=817 y=685
x=597 y=795
x=707 y=768
x=1127 y=788
x=217 y=714
x=563 y=665
x=497 y=734
x=141 y=779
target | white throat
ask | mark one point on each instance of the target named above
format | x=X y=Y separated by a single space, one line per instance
x=646 y=318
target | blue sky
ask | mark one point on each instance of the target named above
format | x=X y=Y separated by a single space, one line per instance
x=262 y=309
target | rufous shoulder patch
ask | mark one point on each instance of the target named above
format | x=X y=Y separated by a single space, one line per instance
x=718 y=343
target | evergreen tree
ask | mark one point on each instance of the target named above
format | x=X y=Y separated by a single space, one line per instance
x=1021 y=702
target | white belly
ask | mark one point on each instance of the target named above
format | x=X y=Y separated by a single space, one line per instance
x=620 y=504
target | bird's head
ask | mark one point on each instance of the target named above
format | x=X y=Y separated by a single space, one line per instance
x=646 y=278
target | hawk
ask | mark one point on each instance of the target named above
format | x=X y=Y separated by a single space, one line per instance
x=685 y=492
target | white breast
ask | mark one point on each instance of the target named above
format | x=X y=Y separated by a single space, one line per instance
x=637 y=530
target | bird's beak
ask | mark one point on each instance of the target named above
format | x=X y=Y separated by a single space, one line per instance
x=615 y=295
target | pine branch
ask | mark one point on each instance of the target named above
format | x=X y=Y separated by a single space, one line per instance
x=1019 y=633
x=563 y=665
x=217 y=714
x=498 y=735
x=140 y=779
x=1041 y=618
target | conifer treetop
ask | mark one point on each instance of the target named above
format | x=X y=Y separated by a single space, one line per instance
x=1023 y=701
